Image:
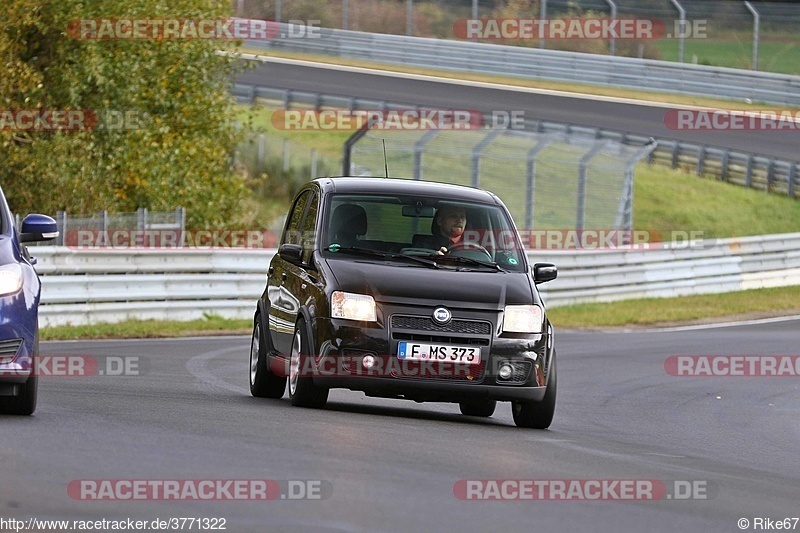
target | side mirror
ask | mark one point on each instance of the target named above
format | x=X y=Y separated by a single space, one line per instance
x=544 y=272
x=291 y=252
x=38 y=228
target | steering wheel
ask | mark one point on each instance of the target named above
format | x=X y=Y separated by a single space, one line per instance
x=469 y=247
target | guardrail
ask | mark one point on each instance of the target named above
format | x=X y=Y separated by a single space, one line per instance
x=746 y=169
x=673 y=270
x=553 y=65
x=88 y=286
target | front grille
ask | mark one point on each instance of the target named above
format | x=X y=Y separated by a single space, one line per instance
x=438 y=339
x=459 y=331
x=521 y=371
x=10 y=347
x=424 y=323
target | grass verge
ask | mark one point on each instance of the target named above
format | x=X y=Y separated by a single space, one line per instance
x=669 y=200
x=149 y=329
x=707 y=308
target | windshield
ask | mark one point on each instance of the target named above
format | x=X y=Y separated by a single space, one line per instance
x=453 y=233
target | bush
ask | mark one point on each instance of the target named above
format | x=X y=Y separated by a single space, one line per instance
x=179 y=153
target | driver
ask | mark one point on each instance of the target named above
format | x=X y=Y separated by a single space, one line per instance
x=452 y=221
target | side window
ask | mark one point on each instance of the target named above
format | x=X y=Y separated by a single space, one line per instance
x=309 y=229
x=292 y=233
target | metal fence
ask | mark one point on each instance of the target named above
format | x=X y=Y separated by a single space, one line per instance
x=547 y=180
x=140 y=220
x=746 y=169
x=737 y=34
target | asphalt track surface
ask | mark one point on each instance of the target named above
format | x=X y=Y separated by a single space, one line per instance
x=392 y=464
x=444 y=94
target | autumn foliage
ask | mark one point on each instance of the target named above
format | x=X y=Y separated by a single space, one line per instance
x=162 y=134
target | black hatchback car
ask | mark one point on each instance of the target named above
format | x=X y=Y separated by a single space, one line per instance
x=405 y=289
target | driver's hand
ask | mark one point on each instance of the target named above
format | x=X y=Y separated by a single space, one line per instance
x=441 y=251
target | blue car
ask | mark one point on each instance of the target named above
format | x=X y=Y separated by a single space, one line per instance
x=19 y=309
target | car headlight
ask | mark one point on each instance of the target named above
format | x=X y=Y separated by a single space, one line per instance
x=351 y=306
x=523 y=319
x=10 y=279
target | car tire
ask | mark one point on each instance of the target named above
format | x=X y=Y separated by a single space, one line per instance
x=538 y=415
x=482 y=408
x=302 y=390
x=263 y=383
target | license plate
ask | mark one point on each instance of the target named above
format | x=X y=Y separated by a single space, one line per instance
x=413 y=351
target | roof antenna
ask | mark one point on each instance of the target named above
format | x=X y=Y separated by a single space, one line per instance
x=385 y=161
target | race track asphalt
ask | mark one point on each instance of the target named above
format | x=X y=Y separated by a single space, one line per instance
x=391 y=465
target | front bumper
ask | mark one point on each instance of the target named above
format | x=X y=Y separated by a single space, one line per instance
x=343 y=346
x=17 y=340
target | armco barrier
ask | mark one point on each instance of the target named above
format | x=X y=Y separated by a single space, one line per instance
x=89 y=286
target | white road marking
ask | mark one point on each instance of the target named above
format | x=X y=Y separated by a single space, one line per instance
x=198 y=367
x=753 y=322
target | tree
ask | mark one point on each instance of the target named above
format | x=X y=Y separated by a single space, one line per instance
x=174 y=147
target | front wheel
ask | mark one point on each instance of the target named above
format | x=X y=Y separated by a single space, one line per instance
x=302 y=390
x=538 y=415
x=263 y=383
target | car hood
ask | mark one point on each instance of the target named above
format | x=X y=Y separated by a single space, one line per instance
x=409 y=284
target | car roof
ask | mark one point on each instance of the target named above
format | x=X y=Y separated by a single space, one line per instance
x=370 y=185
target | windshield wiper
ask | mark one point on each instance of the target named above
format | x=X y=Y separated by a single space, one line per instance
x=471 y=261
x=384 y=255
